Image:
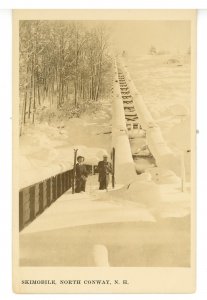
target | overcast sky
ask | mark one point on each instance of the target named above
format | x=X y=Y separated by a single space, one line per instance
x=136 y=37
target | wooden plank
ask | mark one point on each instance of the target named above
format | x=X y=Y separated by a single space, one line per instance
x=26 y=205
x=26 y=212
x=58 y=186
x=44 y=194
x=67 y=180
x=70 y=179
x=32 y=203
x=54 y=188
x=34 y=199
x=41 y=197
x=37 y=204
x=126 y=97
x=48 y=196
x=21 y=212
x=63 y=182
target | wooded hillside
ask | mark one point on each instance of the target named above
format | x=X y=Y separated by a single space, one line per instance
x=63 y=66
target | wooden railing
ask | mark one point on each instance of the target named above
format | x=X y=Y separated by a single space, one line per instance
x=34 y=199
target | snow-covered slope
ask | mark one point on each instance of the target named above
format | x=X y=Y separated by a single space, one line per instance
x=164 y=81
x=46 y=150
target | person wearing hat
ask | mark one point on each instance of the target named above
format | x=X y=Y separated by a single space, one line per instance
x=104 y=169
x=81 y=175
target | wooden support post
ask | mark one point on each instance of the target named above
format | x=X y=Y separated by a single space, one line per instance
x=21 y=211
x=48 y=183
x=59 y=185
x=54 y=189
x=74 y=171
x=41 y=197
x=113 y=167
x=32 y=203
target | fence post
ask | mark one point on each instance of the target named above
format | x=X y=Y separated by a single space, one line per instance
x=74 y=171
x=54 y=189
x=41 y=197
x=21 y=211
x=34 y=199
x=32 y=202
x=48 y=182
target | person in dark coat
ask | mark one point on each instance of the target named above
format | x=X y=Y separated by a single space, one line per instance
x=104 y=169
x=81 y=175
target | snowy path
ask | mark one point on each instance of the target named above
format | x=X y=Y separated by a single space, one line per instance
x=146 y=224
x=72 y=210
x=70 y=230
x=92 y=207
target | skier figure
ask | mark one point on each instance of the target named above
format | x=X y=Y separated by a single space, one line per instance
x=81 y=175
x=104 y=169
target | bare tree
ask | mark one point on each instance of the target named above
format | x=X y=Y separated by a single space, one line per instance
x=60 y=62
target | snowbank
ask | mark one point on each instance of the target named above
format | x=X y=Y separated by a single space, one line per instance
x=140 y=190
x=124 y=165
x=118 y=115
x=162 y=153
x=158 y=147
x=179 y=135
x=163 y=176
x=46 y=150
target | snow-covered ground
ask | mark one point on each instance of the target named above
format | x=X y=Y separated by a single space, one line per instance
x=135 y=228
x=143 y=223
x=165 y=84
x=46 y=150
x=161 y=82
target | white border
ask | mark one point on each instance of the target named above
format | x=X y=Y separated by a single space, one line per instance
x=125 y=4
x=5 y=168
x=5 y=149
x=202 y=153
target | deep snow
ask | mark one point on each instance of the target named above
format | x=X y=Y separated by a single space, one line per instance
x=164 y=82
x=151 y=206
x=166 y=90
x=46 y=150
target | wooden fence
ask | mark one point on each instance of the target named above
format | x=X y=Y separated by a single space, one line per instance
x=34 y=199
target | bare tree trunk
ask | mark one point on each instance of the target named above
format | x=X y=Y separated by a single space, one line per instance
x=23 y=117
x=25 y=107
x=99 y=77
x=75 y=93
x=30 y=97
x=92 y=88
x=62 y=98
x=76 y=69
x=34 y=91
x=38 y=92
x=34 y=102
x=98 y=87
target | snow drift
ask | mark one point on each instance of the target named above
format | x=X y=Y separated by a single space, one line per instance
x=140 y=190
x=157 y=145
x=124 y=166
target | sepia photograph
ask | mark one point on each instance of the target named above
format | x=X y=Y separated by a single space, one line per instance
x=104 y=144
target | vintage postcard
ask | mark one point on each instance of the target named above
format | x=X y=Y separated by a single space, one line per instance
x=104 y=151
